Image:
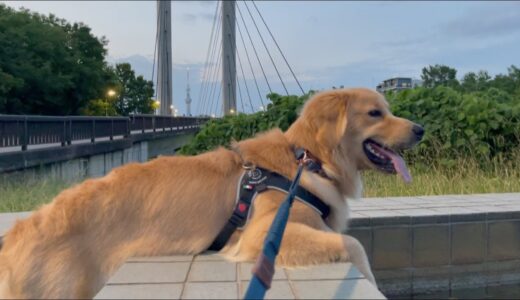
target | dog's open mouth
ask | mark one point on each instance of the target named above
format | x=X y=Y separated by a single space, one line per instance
x=386 y=159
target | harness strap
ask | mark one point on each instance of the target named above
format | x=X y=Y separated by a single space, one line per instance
x=256 y=181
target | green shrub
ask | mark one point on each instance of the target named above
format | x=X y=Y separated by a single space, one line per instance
x=281 y=113
x=479 y=124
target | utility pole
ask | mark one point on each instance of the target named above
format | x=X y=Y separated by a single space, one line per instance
x=229 y=97
x=164 y=57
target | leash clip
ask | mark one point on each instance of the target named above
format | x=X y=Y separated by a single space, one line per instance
x=248 y=166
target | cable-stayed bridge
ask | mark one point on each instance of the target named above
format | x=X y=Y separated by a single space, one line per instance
x=242 y=51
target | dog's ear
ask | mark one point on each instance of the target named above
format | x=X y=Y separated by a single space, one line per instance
x=331 y=119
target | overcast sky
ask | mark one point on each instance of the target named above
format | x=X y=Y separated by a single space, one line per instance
x=327 y=43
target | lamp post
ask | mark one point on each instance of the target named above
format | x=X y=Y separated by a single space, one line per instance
x=110 y=93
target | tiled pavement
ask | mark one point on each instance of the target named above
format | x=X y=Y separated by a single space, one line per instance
x=207 y=276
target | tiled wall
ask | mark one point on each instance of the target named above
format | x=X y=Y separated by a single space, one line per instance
x=440 y=254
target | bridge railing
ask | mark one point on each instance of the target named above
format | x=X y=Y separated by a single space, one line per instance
x=22 y=130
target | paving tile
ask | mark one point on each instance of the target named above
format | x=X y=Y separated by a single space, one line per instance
x=381 y=213
x=245 y=272
x=164 y=272
x=330 y=271
x=468 y=243
x=337 y=289
x=419 y=212
x=209 y=256
x=278 y=290
x=504 y=240
x=392 y=247
x=355 y=214
x=502 y=196
x=212 y=271
x=431 y=245
x=173 y=258
x=141 y=291
x=408 y=200
x=436 y=198
x=210 y=290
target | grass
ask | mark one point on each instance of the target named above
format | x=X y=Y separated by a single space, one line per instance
x=466 y=179
x=464 y=176
x=27 y=194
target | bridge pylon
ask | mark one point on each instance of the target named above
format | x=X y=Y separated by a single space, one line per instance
x=229 y=97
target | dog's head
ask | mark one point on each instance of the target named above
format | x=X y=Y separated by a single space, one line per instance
x=355 y=128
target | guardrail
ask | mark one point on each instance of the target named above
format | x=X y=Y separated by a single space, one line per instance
x=23 y=130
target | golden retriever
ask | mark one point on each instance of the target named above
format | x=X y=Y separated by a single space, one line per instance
x=177 y=205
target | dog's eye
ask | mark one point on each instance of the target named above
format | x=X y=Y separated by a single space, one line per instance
x=375 y=113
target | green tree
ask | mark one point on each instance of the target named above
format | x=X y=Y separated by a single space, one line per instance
x=437 y=75
x=134 y=93
x=47 y=65
x=472 y=82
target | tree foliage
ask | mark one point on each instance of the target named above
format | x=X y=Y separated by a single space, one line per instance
x=436 y=75
x=51 y=67
x=47 y=65
x=134 y=93
x=281 y=113
x=478 y=118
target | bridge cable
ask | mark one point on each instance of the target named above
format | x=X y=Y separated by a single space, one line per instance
x=254 y=48
x=277 y=46
x=249 y=62
x=218 y=101
x=209 y=60
x=216 y=75
x=206 y=62
x=209 y=57
x=154 y=56
x=242 y=70
x=214 y=80
x=265 y=46
x=215 y=70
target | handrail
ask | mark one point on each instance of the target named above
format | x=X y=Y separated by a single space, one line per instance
x=25 y=130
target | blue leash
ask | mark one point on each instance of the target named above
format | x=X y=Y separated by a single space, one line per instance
x=264 y=269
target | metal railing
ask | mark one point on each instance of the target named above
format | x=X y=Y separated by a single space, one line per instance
x=23 y=130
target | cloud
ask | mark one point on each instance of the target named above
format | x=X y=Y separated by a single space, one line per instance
x=189 y=17
x=504 y=20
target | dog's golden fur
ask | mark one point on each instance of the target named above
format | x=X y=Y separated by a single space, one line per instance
x=177 y=205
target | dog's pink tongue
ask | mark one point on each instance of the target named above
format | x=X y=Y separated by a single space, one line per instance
x=399 y=165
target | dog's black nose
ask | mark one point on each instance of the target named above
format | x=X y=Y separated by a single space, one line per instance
x=418 y=130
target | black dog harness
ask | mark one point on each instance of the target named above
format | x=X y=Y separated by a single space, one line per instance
x=256 y=180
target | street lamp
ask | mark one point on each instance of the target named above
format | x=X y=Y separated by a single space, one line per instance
x=231 y=111
x=110 y=93
x=157 y=104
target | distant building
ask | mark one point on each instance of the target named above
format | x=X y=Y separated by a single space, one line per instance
x=398 y=84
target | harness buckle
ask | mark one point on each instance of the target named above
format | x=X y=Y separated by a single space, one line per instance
x=248 y=166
